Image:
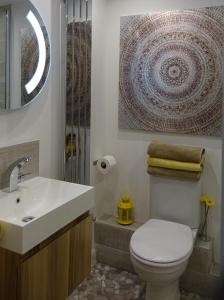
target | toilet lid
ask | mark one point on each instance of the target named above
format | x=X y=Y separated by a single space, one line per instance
x=162 y=241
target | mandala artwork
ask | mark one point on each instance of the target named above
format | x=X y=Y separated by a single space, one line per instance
x=171 y=71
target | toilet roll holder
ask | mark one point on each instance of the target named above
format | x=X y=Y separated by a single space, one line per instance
x=103 y=165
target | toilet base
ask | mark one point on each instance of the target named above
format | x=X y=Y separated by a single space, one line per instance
x=161 y=292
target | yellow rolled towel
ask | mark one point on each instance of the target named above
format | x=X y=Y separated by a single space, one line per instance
x=174 y=164
x=176 y=152
x=180 y=174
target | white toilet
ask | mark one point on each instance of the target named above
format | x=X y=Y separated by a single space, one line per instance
x=160 y=248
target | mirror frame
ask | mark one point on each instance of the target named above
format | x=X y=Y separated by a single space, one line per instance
x=36 y=25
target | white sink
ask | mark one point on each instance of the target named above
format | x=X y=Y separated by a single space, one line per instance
x=52 y=203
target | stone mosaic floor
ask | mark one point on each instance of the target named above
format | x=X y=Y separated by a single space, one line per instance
x=107 y=283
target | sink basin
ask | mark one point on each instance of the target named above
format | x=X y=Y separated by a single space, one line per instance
x=39 y=208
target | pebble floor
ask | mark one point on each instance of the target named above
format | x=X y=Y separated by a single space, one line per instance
x=107 y=283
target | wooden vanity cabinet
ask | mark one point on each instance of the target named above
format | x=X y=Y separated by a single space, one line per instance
x=51 y=270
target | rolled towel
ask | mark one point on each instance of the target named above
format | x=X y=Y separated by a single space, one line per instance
x=176 y=165
x=176 y=152
x=180 y=174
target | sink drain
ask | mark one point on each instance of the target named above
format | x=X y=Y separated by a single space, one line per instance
x=28 y=219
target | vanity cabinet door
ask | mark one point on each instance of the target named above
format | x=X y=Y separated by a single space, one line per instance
x=52 y=269
x=80 y=252
x=9 y=266
x=44 y=276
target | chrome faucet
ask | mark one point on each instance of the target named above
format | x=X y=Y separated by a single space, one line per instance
x=11 y=175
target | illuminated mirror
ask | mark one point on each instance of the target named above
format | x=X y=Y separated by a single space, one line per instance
x=24 y=53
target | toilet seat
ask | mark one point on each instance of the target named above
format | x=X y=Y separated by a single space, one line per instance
x=160 y=242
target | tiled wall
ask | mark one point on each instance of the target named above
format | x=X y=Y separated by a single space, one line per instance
x=10 y=154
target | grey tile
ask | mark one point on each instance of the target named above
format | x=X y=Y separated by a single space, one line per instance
x=112 y=236
x=202 y=257
x=114 y=257
x=201 y=283
x=105 y=282
x=108 y=283
x=112 y=220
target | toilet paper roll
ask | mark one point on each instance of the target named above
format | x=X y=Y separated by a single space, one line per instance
x=106 y=164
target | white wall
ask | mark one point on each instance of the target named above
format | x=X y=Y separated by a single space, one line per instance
x=42 y=120
x=128 y=146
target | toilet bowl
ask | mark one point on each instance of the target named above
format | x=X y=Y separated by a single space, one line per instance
x=160 y=251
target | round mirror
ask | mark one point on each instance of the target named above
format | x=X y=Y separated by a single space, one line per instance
x=24 y=53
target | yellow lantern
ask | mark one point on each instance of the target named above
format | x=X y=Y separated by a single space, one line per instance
x=125 y=211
